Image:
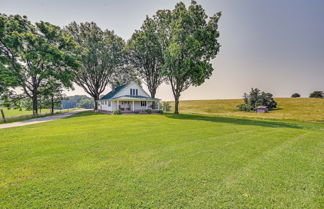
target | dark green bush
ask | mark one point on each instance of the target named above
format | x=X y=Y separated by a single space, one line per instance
x=317 y=94
x=117 y=112
x=148 y=111
x=295 y=95
x=160 y=111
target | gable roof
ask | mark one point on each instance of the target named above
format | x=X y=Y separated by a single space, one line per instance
x=114 y=92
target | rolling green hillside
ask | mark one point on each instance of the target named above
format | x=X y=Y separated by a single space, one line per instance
x=304 y=109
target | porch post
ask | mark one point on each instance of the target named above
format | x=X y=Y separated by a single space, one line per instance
x=158 y=105
x=146 y=102
x=117 y=104
x=133 y=106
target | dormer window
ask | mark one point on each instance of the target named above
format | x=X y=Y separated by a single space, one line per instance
x=134 y=92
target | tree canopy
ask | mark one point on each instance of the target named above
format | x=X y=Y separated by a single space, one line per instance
x=189 y=42
x=295 y=95
x=34 y=53
x=317 y=94
x=257 y=98
x=100 y=54
x=145 y=54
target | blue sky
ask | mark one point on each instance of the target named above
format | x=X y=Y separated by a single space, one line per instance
x=275 y=45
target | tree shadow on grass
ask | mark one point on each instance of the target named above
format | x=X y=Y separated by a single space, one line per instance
x=236 y=121
x=82 y=114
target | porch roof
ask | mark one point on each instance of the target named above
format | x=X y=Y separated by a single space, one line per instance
x=134 y=98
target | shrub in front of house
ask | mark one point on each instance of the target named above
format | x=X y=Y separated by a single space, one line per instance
x=148 y=111
x=117 y=112
x=160 y=111
x=136 y=112
x=257 y=98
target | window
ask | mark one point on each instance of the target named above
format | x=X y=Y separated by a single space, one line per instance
x=109 y=103
x=143 y=103
x=133 y=92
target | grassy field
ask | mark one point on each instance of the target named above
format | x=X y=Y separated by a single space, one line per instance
x=13 y=115
x=303 y=109
x=16 y=112
x=162 y=161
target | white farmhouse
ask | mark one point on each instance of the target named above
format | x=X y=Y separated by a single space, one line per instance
x=128 y=98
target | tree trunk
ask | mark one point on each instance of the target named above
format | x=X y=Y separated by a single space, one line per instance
x=3 y=116
x=52 y=107
x=153 y=92
x=176 y=104
x=96 y=102
x=35 y=105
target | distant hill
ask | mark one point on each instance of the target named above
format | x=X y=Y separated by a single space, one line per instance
x=305 y=109
x=77 y=101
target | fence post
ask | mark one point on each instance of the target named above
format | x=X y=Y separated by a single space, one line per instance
x=3 y=116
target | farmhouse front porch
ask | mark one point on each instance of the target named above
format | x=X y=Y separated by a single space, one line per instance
x=129 y=104
x=136 y=106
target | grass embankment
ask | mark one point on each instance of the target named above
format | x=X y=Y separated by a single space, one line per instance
x=162 y=161
x=302 y=109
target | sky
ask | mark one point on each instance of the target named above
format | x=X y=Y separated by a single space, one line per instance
x=274 y=45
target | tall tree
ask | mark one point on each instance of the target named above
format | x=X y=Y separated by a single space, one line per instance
x=189 y=41
x=34 y=53
x=100 y=53
x=145 y=54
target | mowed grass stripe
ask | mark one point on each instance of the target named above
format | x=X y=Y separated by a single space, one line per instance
x=161 y=161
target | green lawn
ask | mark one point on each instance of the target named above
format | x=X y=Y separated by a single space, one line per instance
x=162 y=161
x=16 y=112
x=13 y=115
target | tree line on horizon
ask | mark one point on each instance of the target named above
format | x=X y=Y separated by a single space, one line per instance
x=314 y=94
x=41 y=59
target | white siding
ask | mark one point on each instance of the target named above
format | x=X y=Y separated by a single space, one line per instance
x=103 y=105
x=137 y=105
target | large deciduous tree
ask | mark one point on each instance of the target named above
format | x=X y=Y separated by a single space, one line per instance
x=145 y=54
x=100 y=53
x=189 y=41
x=33 y=53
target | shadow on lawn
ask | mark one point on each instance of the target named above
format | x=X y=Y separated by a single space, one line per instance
x=217 y=119
x=82 y=114
x=238 y=121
